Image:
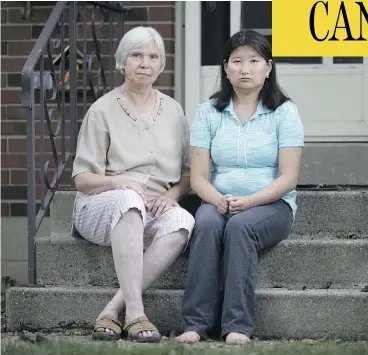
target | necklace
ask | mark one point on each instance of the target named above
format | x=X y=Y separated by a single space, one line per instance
x=126 y=110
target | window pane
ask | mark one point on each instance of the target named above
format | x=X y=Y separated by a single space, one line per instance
x=215 y=30
x=348 y=60
x=256 y=14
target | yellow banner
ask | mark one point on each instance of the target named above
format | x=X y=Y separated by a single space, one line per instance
x=308 y=28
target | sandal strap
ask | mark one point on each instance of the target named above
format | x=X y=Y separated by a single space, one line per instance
x=109 y=322
x=138 y=325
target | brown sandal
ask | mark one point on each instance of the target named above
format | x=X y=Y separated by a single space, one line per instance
x=139 y=325
x=108 y=322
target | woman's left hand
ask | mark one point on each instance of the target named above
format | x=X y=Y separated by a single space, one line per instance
x=239 y=204
x=161 y=204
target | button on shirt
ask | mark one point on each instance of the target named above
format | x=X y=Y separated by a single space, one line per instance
x=244 y=156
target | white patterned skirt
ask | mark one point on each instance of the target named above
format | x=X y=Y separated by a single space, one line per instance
x=96 y=216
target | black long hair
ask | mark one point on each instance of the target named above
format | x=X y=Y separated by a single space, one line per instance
x=271 y=94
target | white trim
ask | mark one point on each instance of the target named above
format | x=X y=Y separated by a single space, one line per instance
x=365 y=91
x=327 y=61
x=192 y=64
x=179 y=84
x=264 y=31
x=235 y=17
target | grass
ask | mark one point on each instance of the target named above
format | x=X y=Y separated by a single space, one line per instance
x=170 y=348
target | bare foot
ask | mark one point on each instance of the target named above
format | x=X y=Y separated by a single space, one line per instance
x=189 y=338
x=237 y=339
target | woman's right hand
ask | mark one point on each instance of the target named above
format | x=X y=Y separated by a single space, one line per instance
x=120 y=183
x=223 y=205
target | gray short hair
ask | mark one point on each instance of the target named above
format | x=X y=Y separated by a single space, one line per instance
x=133 y=39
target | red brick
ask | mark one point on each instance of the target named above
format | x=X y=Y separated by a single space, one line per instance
x=4 y=145
x=11 y=96
x=19 y=161
x=4 y=48
x=162 y=14
x=170 y=63
x=13 y=161
x=3 y=80
x=147 y=3
x=5 y=177
x=18 y=209
x=14 y=80
x=4 y=16
x=166 y=30
x=37 y=15
x=4 y=209
x=102 y=32
x=11 y=192
x=12 y=65
x=18 y=177
x=137 y=14
x=16 y=48
x=168 y=92
x=12 y=4
x=169 y=46
x=13 y=128
x=19 y=145
x=53 y=126
x=14 y=113
x=10 y=32
x=165 y=79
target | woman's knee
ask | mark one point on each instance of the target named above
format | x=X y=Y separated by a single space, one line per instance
x=128 y=202
x=183 y=223
x=208 y=218
x=181 y=238
x=239 y=226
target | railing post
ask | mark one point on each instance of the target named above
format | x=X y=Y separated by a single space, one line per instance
x=28 y=107
x=73 y=8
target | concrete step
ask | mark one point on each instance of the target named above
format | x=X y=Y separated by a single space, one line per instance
x=332 y=212
x=280 y=314
x=293 y=264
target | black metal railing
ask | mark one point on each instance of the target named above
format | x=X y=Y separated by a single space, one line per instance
x=64 y=73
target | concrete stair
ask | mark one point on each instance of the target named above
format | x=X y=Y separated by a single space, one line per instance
x=318 y=263
x=310 y=286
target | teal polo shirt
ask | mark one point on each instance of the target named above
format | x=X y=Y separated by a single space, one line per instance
x=244 y=156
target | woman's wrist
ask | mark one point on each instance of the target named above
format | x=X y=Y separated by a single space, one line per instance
x=111 y=183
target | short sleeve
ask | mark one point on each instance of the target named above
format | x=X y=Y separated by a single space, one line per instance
x=92 y=146
x=201 y=131
x=291 y=130
x=185 y=166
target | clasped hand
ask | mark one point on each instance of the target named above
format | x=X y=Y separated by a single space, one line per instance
x=229 y=204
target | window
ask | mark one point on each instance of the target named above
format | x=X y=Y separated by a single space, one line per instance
x=257 y=15
x=215 y=30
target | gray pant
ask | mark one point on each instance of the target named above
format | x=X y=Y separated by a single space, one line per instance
x=238 y=240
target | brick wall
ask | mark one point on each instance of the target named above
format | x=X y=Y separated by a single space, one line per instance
x=18 y=37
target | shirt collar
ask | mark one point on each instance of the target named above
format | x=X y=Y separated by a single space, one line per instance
x=261 y=109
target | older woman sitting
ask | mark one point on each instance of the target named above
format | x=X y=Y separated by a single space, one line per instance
x=131 y=169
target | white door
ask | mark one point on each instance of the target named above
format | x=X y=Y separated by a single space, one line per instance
x=329 y=92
